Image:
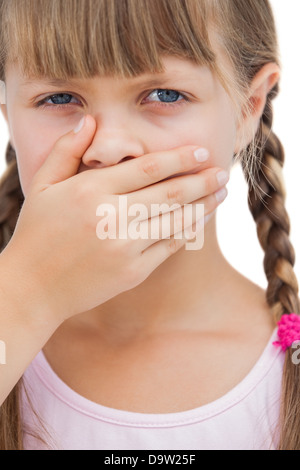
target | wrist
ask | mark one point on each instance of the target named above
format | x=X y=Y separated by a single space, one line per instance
x=23 y=294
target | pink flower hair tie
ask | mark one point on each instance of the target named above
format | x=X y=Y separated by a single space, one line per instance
x=288 y=330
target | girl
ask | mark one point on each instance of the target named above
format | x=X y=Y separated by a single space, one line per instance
x=134 y=343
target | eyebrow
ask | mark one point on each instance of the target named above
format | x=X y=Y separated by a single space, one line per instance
x=148 y=80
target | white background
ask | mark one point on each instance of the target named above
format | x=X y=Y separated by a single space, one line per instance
x=236 y=228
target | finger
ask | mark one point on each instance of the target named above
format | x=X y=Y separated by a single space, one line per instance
x=163 y=197
x=166 y=225
x=65 y=157
x=156 y=254
x=149 y=169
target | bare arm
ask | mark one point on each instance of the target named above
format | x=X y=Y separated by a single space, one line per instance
x=25 y=323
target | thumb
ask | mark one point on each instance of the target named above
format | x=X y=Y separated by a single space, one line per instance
x=65 y=157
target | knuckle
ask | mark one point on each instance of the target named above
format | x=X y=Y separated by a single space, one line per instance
x=150 y=167
x=175 y=193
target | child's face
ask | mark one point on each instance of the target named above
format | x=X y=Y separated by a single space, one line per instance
x=133 y=116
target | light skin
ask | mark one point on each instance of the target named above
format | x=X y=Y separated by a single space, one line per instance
x=190 y=306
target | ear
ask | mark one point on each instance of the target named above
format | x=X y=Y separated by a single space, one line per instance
x=3 y=108
x=263 y=82
x=3 y=99
x=4 y=111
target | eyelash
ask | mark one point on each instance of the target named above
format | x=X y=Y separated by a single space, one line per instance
x=42 y=104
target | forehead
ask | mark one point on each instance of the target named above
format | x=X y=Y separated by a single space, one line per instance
x=176 y=70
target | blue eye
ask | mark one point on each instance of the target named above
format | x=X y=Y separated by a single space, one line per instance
x=59 y=100
x=160 y=97
x=166 y=98
x=170 y=96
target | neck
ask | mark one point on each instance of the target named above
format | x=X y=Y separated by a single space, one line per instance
x=188 y=289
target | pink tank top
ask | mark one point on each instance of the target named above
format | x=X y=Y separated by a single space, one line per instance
x=243 y=419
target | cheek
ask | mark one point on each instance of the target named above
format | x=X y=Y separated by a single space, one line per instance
x=221 y=137
x=32 y=149
x=33 y=136
x=211 y=125
x=219 y=129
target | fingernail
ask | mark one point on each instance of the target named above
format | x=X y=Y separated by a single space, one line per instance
x=79 y=126
x=201 y=155
x=223 y=177
x=221 y=195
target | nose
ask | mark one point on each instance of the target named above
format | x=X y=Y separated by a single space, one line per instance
x=111 y=146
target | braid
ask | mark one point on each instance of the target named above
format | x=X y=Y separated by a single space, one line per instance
x=272 y=220
x=273 y=229
x=11 y=198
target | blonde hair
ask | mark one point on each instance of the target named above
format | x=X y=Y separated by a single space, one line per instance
x=87 y=38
